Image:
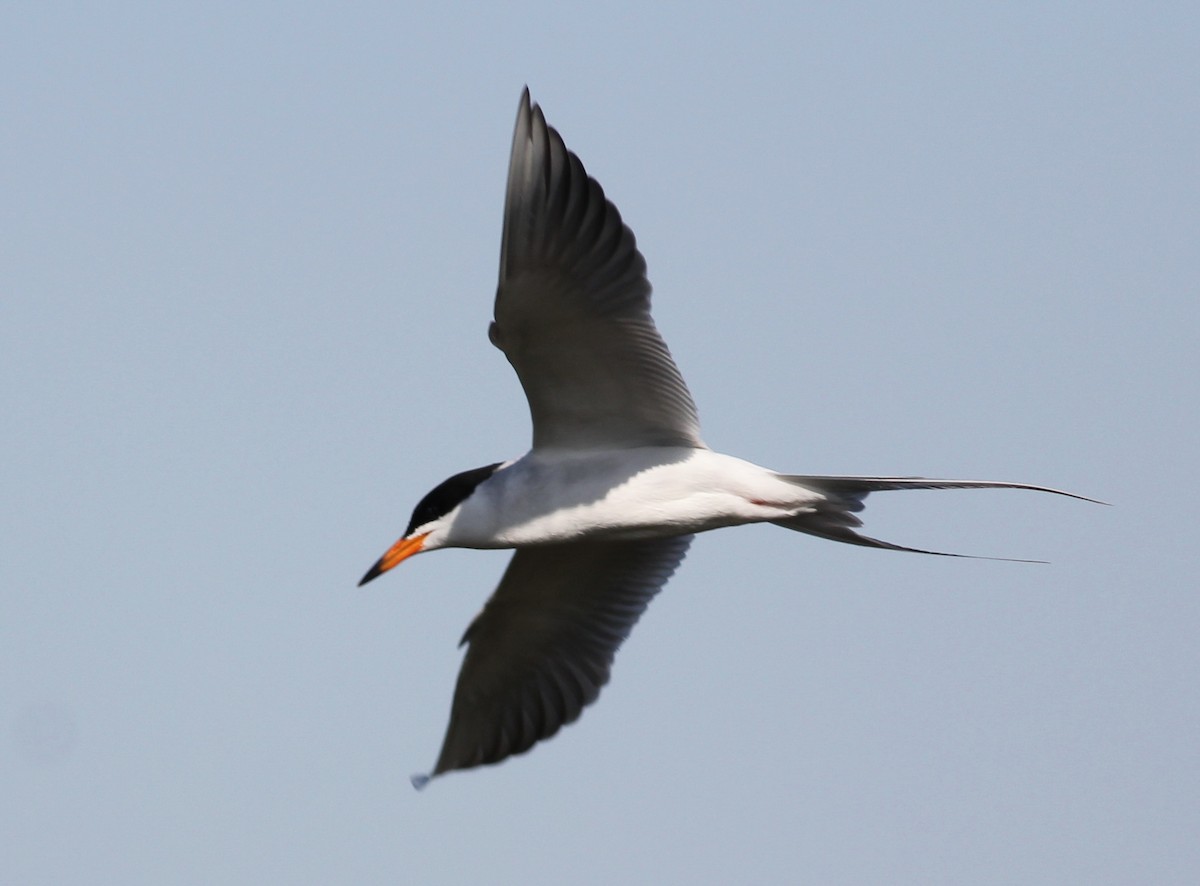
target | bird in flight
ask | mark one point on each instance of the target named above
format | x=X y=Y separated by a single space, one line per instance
x=602 y=508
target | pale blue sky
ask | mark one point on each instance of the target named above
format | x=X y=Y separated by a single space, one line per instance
x=247 y=259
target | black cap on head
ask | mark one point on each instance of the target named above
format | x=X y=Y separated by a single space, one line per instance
x=448 y=495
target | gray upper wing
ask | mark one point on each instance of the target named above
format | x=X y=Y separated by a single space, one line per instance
x=572 y=310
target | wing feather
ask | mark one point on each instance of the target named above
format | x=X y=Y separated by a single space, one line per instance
x=572 y=311
x=543 y=646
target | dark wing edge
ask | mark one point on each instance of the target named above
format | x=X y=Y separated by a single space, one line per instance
x=556 y=217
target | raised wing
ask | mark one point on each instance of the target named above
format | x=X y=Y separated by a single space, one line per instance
x=573 y=308
x=543 y=645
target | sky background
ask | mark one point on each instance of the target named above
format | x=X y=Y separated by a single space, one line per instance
x=247 y=259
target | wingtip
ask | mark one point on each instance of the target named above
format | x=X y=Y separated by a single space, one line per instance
x=420 y=780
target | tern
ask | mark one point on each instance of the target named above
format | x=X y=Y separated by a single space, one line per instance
x=602 y=508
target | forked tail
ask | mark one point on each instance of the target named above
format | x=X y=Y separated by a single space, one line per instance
x=836 y=517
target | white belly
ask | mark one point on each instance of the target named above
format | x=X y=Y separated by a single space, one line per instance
x=556 y=496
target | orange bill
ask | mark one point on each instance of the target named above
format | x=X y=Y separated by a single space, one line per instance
x=395 y=555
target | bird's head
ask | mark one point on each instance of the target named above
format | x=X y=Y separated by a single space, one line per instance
x=431 y=519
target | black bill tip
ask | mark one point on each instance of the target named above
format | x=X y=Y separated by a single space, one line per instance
x=373 y=573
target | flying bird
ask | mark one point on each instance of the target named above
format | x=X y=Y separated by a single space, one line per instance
x=602 y=508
